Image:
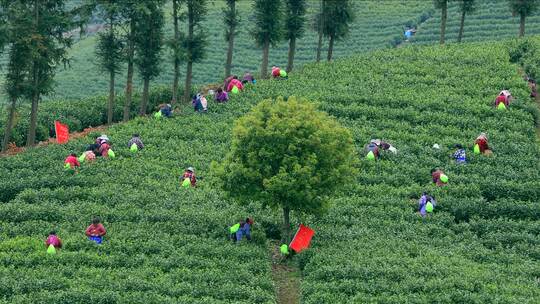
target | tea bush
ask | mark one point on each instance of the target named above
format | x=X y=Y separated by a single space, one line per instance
x=168 y=244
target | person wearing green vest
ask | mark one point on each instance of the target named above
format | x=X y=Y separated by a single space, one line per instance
x=135 y=143
x=188 y=178
x=241 y=229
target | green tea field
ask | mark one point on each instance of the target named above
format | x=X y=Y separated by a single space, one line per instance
x=166 y=244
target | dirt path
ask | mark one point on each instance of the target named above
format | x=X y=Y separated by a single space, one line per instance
x=286 y=277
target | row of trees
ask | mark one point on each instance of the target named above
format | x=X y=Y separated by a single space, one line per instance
x=35 y=34
x=523 y=8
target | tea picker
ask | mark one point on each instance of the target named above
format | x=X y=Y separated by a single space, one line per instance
x=53 y=243
x=481 y=145
x=426 y=204
x=459 y=155
x=241 y=229
x=438 y=177
x=188 y=178
x=71 y=162
x=96 y=231
x=301 y=241
x=135 y=143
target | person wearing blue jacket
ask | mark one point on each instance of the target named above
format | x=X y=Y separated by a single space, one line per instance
x=426 y=203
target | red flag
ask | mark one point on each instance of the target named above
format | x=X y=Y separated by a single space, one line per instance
x=62 y=132
x=302 y=238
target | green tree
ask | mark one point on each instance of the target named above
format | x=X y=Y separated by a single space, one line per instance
x=195 y=42
x=148 y=45
x=231 y=19
x=523 y=8
x=176 y=47
x=337 y=18
x=318 y=27
x=109 y=49
x=48 y=48
x=465 y=7
x=129 y=14
x=267 y=28
x=14 y=31
x=443 y=6
x=295 y=18
x=288 y=155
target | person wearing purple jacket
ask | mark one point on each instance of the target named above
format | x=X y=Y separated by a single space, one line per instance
x=221 y=96
x=426 y=204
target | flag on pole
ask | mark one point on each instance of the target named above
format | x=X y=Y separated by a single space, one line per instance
x=302 y=238
x=62 y=132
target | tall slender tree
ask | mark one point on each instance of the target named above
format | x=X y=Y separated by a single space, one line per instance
x=176 y=47
x=48 y=45
x=465 y=7
x=295 y=18
x=318 y=27
x=523 y=8
x=109 y=49
x=14 y=26
x=148 y=43
x=129 y=13
x=267 y=30
x=231 y=19
x=443 y=6
x=337 y=18
x=195 y=42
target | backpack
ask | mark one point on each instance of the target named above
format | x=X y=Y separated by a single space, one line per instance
x=186 y=183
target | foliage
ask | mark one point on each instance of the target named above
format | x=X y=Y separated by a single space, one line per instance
x=169 y=245
x=149 y=39
x=337 y=18
x=231 y=20
x=295 y=18
x=78 y=115
x=268 y=15
x=286 y=154
x=491 y=20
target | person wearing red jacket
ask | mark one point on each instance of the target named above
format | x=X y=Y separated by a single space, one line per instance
x=52 y=239
x=482 y=142
x=501 y=99
x=235 y=83
x=72 y=161
x=190 y=174
x=436 y=175
x=276 y=72
x=96 y=231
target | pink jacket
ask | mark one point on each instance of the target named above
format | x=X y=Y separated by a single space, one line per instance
x=233 y=83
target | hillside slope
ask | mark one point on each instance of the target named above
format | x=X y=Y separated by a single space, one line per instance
x=169 y=245
x=492 y=20
x=377 y=24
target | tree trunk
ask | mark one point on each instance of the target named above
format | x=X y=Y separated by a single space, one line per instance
x=31 y=138
x=522 y=25
x=264 y=64
x=286 y=237
x=176 y=51
x=319 y=44
x=330 y=48
x=319 y=47
x=110 y=106
x=9 y=125
x=228 y=64
x=292 y=47
x=129 y=84
x=187 y=88
x=144 y=100
x=444 y=15
x=461 y=25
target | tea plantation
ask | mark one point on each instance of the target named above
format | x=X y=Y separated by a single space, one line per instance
x=376 y=26
x=166 y=244
x=492 y=20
